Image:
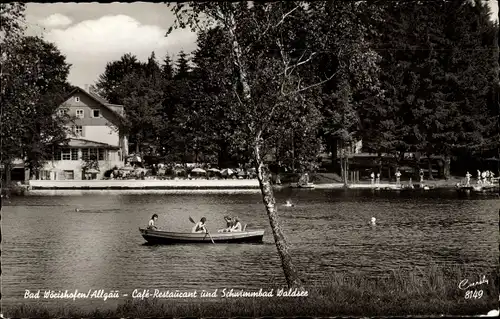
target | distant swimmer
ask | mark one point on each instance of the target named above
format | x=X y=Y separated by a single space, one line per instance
x=373 y=222
x=77 y=210
x=288 y=204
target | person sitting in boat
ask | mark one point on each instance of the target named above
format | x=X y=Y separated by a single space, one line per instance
x=151 y=224
x=199 y=227
x=237 y=225
x=229 y=224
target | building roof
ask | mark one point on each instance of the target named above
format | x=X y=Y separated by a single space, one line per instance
x=73 y=142
x=99 y=99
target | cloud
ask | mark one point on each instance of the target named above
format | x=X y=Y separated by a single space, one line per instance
x=112 y=36
x=90 y=44
x=56 y=20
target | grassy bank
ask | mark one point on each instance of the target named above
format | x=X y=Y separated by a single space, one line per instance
x=431 y=291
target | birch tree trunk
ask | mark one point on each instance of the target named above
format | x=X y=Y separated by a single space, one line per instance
x=269 y=200
x=263 y=174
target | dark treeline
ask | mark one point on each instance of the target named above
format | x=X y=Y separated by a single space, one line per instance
x=409 y=76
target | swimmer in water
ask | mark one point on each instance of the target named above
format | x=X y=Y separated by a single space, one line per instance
x=373 y=221
x=288 y=204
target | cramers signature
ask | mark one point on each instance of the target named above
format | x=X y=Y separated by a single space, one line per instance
x=466 y=284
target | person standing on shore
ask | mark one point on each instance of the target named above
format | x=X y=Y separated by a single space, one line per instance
x=378 y=179
x=467 y=178
x=421 y=173
x=398 y=177
x=372 y=176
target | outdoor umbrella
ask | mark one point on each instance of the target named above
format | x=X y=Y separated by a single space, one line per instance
x=198 y=171
x=242 y=173
x=213 y=170
x=227 y=171
x=135 y=158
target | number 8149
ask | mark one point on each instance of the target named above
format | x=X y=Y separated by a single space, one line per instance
x=473 y=294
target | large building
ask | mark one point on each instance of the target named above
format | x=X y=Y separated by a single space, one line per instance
x=96 y=138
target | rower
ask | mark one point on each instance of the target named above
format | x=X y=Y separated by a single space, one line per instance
x=200 y=226
x=152 y=221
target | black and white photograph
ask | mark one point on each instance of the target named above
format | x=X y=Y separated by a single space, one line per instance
x=218 y=159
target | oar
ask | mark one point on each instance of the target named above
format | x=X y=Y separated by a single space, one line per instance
x=192 y=221
x=210 y=236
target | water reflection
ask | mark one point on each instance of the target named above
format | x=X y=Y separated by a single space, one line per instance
x=91 y=241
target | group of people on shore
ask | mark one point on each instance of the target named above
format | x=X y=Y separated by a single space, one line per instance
x=233 y=224
x=483 y=178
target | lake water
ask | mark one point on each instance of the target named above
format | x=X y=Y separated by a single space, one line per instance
x=47 y=244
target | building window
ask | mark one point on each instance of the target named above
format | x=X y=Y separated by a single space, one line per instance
x=85 y=154
x=102 y=154
x=62 y=111
x=66 y=154
x=45 y=175
x=78 y=130
x=69 y=175
x=74 y=154
x=96 y=113
x=57 y=155
x=79 y=113
x=77 y=99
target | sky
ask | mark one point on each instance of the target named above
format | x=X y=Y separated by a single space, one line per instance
x=93 y=34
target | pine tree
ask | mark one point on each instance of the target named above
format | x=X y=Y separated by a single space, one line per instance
x=183 y=69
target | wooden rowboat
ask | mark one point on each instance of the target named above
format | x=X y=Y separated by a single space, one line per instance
x=165 y=237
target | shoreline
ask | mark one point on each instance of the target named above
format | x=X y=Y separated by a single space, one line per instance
x=222 y=185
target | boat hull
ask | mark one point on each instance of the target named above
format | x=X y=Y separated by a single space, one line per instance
x=163 y=237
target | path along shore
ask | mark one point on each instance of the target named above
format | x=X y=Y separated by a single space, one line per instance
x=208 y=184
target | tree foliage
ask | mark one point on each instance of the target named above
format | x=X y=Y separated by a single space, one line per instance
x=109 y=82
x=34 y=82
x=436 y=78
